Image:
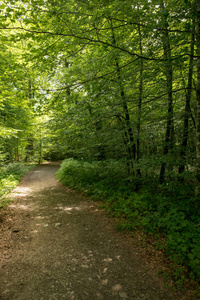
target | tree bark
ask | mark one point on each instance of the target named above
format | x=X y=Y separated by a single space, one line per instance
x=68 y=92
x=187 y=113
x=29 y=145
x=139 y=103
x=169 y=79
x=198 y=91
x=129 y=137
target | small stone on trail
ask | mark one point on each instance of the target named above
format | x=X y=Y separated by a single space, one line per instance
x=57 y=224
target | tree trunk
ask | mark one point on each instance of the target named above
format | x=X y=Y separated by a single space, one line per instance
x=169 y=135
x=129 y=138
x=139 y=103
x=68 y=92
x=29 y=146
x=198 y=92
x=187 y=113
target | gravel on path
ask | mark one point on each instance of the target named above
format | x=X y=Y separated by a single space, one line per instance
x=58 y=245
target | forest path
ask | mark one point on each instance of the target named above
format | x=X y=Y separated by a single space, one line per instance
x=61 y=246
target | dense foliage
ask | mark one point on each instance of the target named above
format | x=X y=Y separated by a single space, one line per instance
x=168 y=210
x=9 y=177
x=116 y=85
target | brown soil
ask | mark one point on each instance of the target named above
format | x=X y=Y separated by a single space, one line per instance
x=56 y=244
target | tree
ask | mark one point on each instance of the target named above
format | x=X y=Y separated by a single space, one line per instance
x=114 y=77
x=169 y=135
x=198 y=90
x=187 y=112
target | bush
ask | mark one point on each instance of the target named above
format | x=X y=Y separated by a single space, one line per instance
x=16 y=169
x=93 y=177
x=171 y=209
x=9 y=178
x=77 y=174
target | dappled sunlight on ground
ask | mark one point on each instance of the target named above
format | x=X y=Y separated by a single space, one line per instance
x=66 y=248
x=40 y=217
x=69 y=208
x=108 y=259
x=21 y=191
x=117 y=287
x=20 y=206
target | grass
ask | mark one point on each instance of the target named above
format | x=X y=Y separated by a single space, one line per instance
x=9 y=178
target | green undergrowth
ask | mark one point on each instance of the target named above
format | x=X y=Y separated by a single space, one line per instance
x=171 y=210
x=10 y=176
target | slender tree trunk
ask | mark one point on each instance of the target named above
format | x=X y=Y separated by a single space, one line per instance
x=68 y=92
x=101 y=149
x=198 y=92
x=40 y=146
x=187 y=113
x=139 y=103
x=29 y=146
x=31 y=94
x=17 y=150
x=129 y=138
x=29 y=89
x=98 y=128
x=126 y=142
x=169 y=78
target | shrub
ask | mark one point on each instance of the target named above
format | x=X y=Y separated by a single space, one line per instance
x=9 y=178
x=171 y=209
x=78 y=174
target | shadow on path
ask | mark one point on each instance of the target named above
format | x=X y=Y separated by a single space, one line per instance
x=64 y=247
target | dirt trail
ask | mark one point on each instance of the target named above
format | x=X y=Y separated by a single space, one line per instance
x=61 y=246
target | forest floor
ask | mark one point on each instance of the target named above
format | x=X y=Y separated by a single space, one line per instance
x=56 y=244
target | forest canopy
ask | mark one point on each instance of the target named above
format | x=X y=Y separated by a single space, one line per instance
x=102 y=80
